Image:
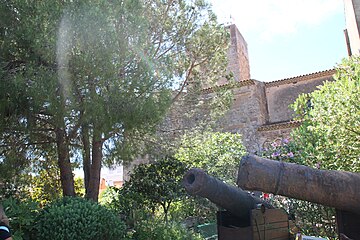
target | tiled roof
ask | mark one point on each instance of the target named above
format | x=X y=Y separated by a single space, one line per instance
x=242 y=83
x=277 y=126
x=248 y=82
x=326 y=73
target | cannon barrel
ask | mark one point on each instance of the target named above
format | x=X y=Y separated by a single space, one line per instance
x=231 y=198
x=338 y=189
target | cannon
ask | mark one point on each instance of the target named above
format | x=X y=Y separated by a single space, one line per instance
x=231 y=198
x=246 y=216
x=337 y=189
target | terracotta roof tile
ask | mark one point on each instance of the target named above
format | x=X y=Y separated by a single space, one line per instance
x=248 y=82
x=325 y=73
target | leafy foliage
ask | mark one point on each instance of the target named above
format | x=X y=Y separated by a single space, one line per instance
x=330 y=133
x=131 y=206
x=81 y=77
x=45 y=185
x=22 y=215
x=44 y=190
x=155 y=229
x=282 y=150
x=77 y=218
x=17 y=188
x=194 y=210
x=158 y=183
x=141 y=197
x=217 y=153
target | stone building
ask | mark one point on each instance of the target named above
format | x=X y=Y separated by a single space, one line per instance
x=260 y=110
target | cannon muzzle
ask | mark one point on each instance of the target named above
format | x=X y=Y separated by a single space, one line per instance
x=231 y=198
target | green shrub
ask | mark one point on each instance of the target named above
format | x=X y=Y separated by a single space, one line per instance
x=197 y=210
x=78 y=218
x=159 y=230
x=22 y=215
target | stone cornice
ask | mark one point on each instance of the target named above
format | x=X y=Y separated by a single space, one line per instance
x=225 y=86
x=325 y=73
x=277 y=126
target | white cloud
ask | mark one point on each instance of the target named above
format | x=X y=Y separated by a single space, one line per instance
x=269 y=18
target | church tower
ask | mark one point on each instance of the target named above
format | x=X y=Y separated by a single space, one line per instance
x=238 y=57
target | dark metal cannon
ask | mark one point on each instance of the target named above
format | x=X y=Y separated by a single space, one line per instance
x=338 y=189
x=231 y=198
x=243 y=218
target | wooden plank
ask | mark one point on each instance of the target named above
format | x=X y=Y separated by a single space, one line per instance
x=270 y=215
x=270 y=225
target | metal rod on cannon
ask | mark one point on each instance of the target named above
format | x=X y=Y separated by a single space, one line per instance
x=338 y=189
x=233 y=199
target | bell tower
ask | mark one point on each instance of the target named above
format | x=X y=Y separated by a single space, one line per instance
x=238 y=58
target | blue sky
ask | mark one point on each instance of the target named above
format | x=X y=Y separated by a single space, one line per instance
x=287 y=38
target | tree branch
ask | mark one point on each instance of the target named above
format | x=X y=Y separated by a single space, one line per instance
x=185 y=82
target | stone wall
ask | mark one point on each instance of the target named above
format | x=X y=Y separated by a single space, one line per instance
x=273 y=132
x=260 y=111
x=280 y=94
x=247 y=113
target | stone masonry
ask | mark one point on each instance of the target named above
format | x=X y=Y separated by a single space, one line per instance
x=260 y=111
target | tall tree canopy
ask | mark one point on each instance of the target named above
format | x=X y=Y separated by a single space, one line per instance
x=217 y=153
x=330 y=134
x=87 y=78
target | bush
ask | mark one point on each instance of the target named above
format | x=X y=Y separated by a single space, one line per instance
x=78 y=218
x=159 y=230
x=194 y=210
x=22 y=215
x=157 y=184
x=329 y=135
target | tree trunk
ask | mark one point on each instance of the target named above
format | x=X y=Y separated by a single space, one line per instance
x=86 y=155
x=92 y=192
x=166 y=210
x=66 y=175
